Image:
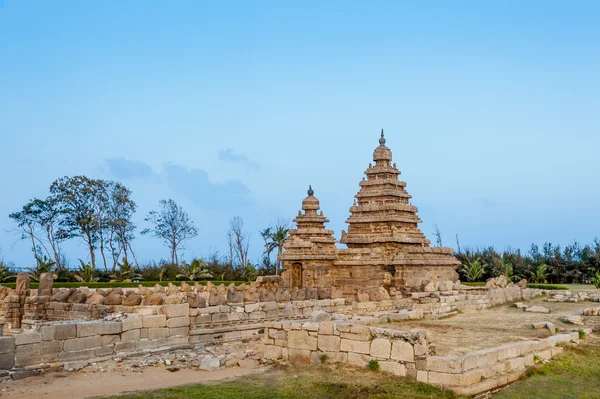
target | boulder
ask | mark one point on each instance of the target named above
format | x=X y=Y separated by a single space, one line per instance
x=444 y=286
x=175 y=299
x=319 y=315
x=428 y=287
x=95 y=299
x=590 y=312
x=234 y=296
x=117 y=291
x=112 y=299
x=154 y=299
x=457 y=285
x=132 y=300
x=172 y=289
x=158 y=288
x=144 y=291
x=195 y=300
x=572 y=319
x=522 y=283
x=185 y=287
x=62 y=295
x=362 y=296
x=77 y=297
x=537 y=309
x=383 y=294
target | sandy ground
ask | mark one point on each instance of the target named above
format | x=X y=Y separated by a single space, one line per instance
x=87 y=385
x=468 y=332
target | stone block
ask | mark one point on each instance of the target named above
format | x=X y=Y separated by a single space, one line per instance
x=160 y=332
x=326 y=328
x=272 y=352
x=395 y=368
x=7 y=344
x=105 y=350
x=298 y=355
x=444 y=364
x=82 y=344
x=328 y=343
x=27 y=353
x=174 y=322
x=251 y=307
x=65 y=331
x=47 y=333
x=27 y=338
x=154 y=321
x=131 y=335
x=359 y=360
x=77 y=355
x=277 y=334
x=402 y=351
x=347 y=345
x=131 y=323
x=179 y=331
x=356 y=337
x=301 y=340
x=128 y=346
x=179 y=310
x=98 y=328
x=110 y=339
x=381 y=347
x=51 y=347
x=7 y=361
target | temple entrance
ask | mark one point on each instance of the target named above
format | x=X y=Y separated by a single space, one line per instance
x=296 y=275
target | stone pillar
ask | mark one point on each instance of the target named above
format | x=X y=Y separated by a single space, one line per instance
x=46 y=284
x=22 y=291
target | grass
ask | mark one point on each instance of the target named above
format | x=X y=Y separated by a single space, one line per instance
x=474 y=283
x=314 y=382
x=548 y=286
x=575 y=375
x=71 y=284
x=581 y=286
x=540 y=286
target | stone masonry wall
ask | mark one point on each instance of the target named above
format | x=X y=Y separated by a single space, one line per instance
x=407 y=353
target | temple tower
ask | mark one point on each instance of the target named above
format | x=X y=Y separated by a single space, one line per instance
x=310 y=249
x=382 y=215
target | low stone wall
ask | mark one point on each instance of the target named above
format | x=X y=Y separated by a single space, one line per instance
x=355 y=344
x=408 y=353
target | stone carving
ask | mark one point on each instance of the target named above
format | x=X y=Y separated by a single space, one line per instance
x=382 y=235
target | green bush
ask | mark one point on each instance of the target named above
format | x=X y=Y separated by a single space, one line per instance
x=373 y=365
x=122 y=285
x=548 y=286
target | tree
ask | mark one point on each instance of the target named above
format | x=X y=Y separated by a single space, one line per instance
x=79 y=199
x=473 y=271
x=438 y=235
x=38 y=221
x=86 y=273
x=239 y=242
x=596 y=280
x=539 y=273
x=44 y=265
x=171 y=224
x=126 y=273
x=274 y=239
x=196 y=270
x=506 y=269
x=120 y=210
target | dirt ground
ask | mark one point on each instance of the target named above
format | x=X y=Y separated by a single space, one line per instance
x=468 y=332
x=88 y=385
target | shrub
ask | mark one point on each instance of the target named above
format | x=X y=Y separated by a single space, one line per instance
x=596 y=280
x=324 y=358
x=373 y=365
x=548 y=286
x=581 y=334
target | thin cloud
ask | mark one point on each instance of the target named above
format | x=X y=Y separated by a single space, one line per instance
x=126 y=169
x=229 y=156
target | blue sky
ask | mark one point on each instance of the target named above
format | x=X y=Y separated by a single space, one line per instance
x=233 y=108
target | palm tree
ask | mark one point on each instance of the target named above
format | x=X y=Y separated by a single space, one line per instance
x=539 y=273
x=86 y=273
x=274 y=238
x=506 y=269
x=126 y=273
x=44 y=265
x=473 y=271
x=197 y=270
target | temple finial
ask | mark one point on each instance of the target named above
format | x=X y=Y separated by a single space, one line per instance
x=382 y=139
x=310 y=191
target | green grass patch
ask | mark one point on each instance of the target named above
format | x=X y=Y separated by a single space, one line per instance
x=575 y=374
x=314 y=382
x=71 y=284
x=474 y=283
x=548 y=286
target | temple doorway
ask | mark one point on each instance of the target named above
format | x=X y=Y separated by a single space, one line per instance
x=296 y=275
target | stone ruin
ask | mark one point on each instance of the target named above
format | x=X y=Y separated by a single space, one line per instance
x=385 y=246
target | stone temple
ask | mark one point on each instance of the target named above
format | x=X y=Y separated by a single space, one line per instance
x=385 y=247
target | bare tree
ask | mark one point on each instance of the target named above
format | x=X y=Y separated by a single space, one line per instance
x=239 y=242
x=171 y=224
x=438 y=235
x=38 y=221
x=120 y=210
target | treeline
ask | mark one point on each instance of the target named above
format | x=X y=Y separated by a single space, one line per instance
x=99 y=214
x=553 y=264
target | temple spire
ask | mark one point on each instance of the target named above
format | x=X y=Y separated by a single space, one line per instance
x=382 y=138
x=310 y=191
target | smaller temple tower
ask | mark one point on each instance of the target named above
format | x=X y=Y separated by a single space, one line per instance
x=310 y=249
